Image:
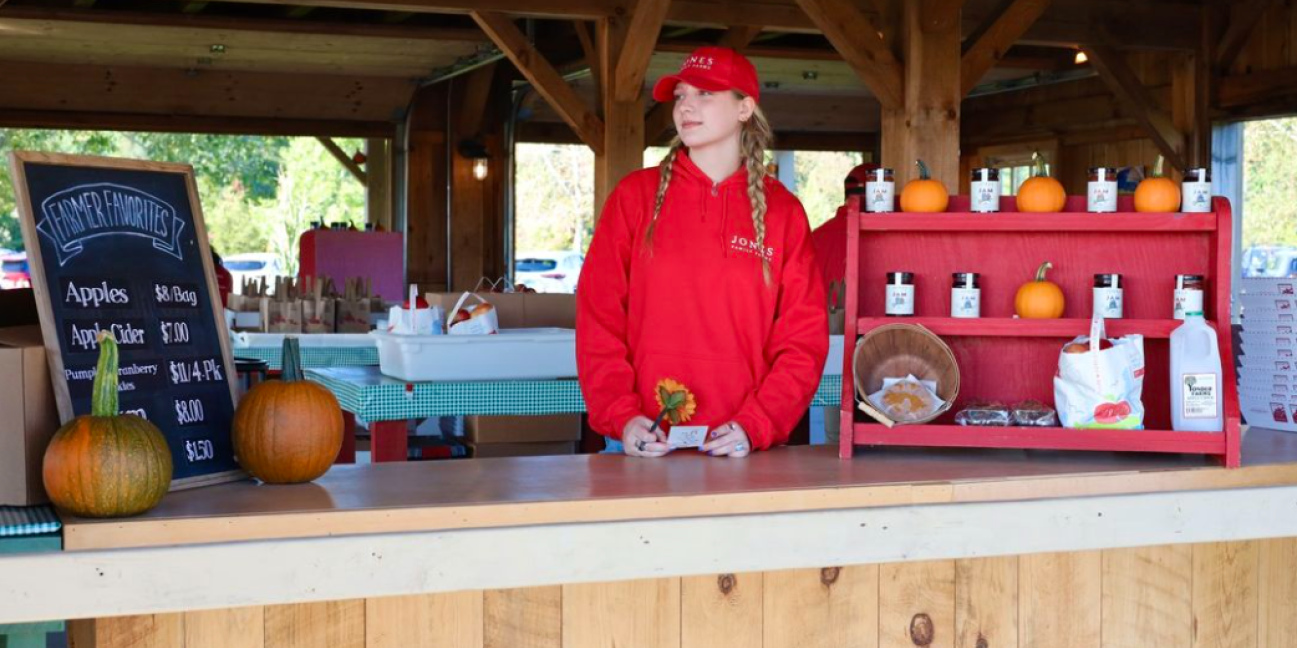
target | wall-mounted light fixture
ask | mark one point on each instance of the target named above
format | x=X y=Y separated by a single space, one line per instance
x=1080 y=57
x=476 y=151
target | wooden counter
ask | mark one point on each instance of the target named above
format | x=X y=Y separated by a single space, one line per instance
x=789 y=548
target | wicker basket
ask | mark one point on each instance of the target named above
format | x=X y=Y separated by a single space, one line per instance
x=899 y=350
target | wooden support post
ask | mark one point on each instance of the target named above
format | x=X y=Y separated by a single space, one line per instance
x=475 y=92
x=739 y=37
x=591 y=55
x=1134 y=97
x=342 y=157
x=426 y=215
x=862 y=47
x=927 y=127
x=987 y=46
x=637 y=49
x=623 y=133
x=378 y=182
x=542 y=75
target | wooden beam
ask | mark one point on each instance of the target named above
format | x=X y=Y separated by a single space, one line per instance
x=342 y=157
x=378 y=189
x=739 y=37
x=1130 y=91
x=641 y=38
x=476 y=93
x=298 y=12
x=591 y=54
x=193 y=7
x=988 y=46
x=395 y=17
x=623 y=120
x=658 y=123
x=84 y=4
x=861 y=46
x=1244 y=17
x=928 y=126
x=90 y=120
x=542 y=75
x=1257 y=88
x=223 y=23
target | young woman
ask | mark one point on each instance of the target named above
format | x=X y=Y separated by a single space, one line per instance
x=702 y=271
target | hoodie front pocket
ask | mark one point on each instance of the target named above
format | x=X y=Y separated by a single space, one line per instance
x=719 y=385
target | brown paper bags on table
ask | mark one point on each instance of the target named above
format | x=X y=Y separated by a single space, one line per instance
x=318 y=305
x=282 y=313
x=355 y=305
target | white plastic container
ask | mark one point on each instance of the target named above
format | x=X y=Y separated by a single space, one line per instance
x=1197 y=401
x=512 y=354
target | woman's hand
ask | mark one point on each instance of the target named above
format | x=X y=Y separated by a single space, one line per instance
x=639 y=442
x=729 y=440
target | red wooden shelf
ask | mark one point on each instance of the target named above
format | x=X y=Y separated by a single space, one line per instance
x=1007 y=327
x=1040 y=438
x=1020 y=222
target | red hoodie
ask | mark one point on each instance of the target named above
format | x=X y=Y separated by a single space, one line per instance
x=697 y=308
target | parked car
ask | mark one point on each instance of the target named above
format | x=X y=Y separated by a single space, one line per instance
x=1270 y=261
x=252 y=265
x=14 y=272
x=549 y=271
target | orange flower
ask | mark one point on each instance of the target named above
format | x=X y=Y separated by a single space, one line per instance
x=675 y=401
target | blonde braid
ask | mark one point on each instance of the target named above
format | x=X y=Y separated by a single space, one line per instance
x=668 y=163
x=755 y=138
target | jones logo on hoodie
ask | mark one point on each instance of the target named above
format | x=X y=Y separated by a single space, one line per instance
x=742 y=244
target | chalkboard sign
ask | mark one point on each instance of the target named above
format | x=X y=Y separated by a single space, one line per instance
x=119 y=245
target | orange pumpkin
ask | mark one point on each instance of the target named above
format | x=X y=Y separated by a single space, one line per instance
x=1040 y=299
x=1157 y=193
x=1041 y=193
x=923 y=194
x=107 y=464
x=288 y=431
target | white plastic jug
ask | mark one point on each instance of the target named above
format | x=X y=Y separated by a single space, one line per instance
x=1197 y=401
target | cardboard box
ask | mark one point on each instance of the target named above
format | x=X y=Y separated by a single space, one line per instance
x=522 y=429
x=28 y=415
x=519 y=310
x=488 y=450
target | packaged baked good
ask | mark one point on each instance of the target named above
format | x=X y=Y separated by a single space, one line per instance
x=1032 y=413
x=908 y=400
x=984 y=414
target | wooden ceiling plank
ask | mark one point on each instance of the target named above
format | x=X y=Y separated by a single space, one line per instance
x=1113 y=68
x=84 y=4
x=192 y=7
x=740 y=37
x=344 y=159
x=298 y=12
x=476 y=92
x=542 y=75
x=861 y=46
x=1244 y=17
x=985 y=48
x=632 y=65
x=591 y=54
x=90 y=120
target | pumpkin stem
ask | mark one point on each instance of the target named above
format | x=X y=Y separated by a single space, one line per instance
x=923 y=170
x=103 y=399
x=1044 y=267
x=1038 y=165
x=291 y=363
x=1157 y=166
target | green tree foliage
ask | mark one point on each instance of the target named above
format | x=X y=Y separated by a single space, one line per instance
x=555 y=198
x=1270 y=183
x=819 y=181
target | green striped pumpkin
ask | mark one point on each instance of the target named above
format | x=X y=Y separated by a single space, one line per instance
x=107 y=464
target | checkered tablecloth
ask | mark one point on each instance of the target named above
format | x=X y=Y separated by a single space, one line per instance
x=27 y=520
x=365 y=392
x=313 y=356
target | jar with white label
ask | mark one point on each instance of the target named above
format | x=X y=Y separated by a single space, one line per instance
x=880 y=191
x=984 y=191
x=900 y=294
x=1108 y=296
x=1101 y=192
x=1189 y=291
x=1195 y=191
x=966 y=295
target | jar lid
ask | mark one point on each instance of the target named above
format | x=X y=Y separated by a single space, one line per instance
x=897 y=278
x=990 y=172
x=966 y=275
x=1188 y=277
x=1197 y=174
x=1107 y=281
x=966 y=279
x=1112 y=170
x=879 y=173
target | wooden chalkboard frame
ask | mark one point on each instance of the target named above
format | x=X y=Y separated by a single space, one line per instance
x=53 y=341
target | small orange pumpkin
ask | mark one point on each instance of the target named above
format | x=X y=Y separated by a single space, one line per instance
x=288 y=431
x=1040 y=299
x=1157 y=193
x=1041 y=193
x=923 y=194
x=107 y=464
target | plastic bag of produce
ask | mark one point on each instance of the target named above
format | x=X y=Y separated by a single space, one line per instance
x=1099 y=381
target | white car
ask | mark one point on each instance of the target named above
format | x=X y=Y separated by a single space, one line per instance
x=553 y=272
x=252 y=265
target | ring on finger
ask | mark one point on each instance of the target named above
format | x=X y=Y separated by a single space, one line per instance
x=640 y=445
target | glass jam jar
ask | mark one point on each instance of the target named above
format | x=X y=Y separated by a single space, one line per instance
x=1101 y=192
x=984 y=191
x=880 y=191
x=966 y=295
x=900 y=294
x=1108 y=295
x=1189 y=291
x=1195 y=191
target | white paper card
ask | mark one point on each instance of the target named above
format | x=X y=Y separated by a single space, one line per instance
x=687 y=436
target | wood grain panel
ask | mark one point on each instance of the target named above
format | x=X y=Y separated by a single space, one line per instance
x=1225 y=594
x=917 y=604
x=230 y=628
x=337 y=624
x=644 y=613
x=822 y=608
x=1060 y=600
x=523 y=618
x=428 y=621
x=1147 y=597
x=986 y=603
x=721 y=610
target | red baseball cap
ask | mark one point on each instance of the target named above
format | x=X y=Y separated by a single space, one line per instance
x=712 y=68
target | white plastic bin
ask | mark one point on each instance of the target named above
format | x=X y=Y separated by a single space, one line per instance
x=512 y=354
